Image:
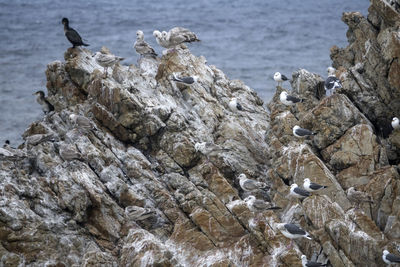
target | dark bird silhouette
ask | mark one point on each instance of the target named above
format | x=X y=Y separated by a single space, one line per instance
x=42 y=100
x=72 y=35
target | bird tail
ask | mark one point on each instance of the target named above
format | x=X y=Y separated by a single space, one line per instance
x=314 y=133
x=84 y=44
x=308 y=236
x=120 y=58
x=174 y=78
x=275 y=208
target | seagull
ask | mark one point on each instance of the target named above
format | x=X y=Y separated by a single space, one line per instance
x=72 y=35
x=6 y=144
x=250 y=185
x=142 y=47
x=258 y=205
x=298 y=192
x=358 y=196
x=81 y=122
x=106 y=60
x=289 y=100
x=390 y=258
x=332 y=83
x=42 y=100
x=69 y=152
x=36 y=139
x=312 y=187
x=307 y=263
x=185 y=80
x=136 y=213
x=301 y=132
x=292 y=231
x=280 y=78
x=234 y=105
x=395 y=123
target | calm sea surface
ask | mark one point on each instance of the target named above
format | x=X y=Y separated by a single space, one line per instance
x=248 y=40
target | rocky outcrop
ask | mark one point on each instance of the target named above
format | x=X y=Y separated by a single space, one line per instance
x=135 y=190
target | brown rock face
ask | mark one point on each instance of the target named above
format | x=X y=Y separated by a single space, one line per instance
x=154 y=181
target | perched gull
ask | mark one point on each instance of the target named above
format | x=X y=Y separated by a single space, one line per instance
x=81 y=122
x=332 y=83
x=234 y=105
x=185 y=80
x=69 y=152
x=301 y=132
x=6 y=144
x=42 y=100
x=106 y=60
x=136 y=213
x=358 y=196
x=258 y=205
x=395 y=123
x=312 y=187
x=292 y=231
x=280 y=78
x=72 y=35
x=142 y=47
x=298 y=192
x=250 y=185
x=36 y=139
x=307 y=263
x=174 y=37
x=390 y=258
x=289 y=100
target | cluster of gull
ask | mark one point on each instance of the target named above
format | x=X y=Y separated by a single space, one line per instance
x=172 y=39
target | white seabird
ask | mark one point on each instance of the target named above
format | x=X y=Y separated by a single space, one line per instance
x=396 y=123
x=390 y=258
x=136 y=213
x=280 y=78
x=289 y=100
x=81 y=122
x=186 y=80
x=312 y=187
x=142 y=47
x=106 y=60
x=301 y=132
x=250 y=185
x=175 y=37
x=42 y=100
x=298 y=192
x=234 y=105
x=69 y=152
x=292 y=231
x=258 y=205
x=358 y=197
x=307 y=263
x=331 y=83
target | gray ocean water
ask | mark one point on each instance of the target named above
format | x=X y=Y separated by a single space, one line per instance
x=247 y=39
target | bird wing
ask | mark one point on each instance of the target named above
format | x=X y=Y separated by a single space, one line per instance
x=293 y=99
x=393 y=258
x=250 y=185
x=188 y=80
x=294 y=229
x=315 y=186
x=73 y=36
x=303 y=132
x=283 y=77
x=144 y=48
x=179 y=35
x=314 y=264
x=301 y=192
x=239 y=106
x=330 y=82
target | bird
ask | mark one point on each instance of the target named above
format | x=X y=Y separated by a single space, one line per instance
x=298 y=192
x=390 y=258
x=301 y=132
x=136 y=213
x=42 y=100
x=175 y=37
x=6 y=144
x=81 y=122
x=280 y=78
x=396 y=123
x=234 y=105
x=289 y=100
x=36 y=139
x=106 y=60
x=312 y=187
x=142 y=47
x=331 y=83
x=358 y=197
x=250 y=185
x=307 y=263
x=185 y=80
x=258 y=205
x=292 y=231
x=69 y=152
x=72 y=35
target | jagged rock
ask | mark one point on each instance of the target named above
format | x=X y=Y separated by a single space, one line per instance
x=141 y=194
